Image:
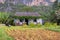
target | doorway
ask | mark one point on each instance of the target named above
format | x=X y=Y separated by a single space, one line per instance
x=58 y=21
x=26 y=20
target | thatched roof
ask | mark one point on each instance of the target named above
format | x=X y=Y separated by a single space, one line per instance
x=27 y=14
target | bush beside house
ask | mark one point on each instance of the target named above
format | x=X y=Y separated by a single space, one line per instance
x=3 y=17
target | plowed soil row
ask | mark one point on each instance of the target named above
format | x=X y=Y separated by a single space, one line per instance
x=34 y=34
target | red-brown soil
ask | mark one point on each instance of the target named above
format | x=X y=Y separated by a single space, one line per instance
x=34 y=34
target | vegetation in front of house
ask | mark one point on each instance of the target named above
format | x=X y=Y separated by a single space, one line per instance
x=8 y=35
x=47 y=26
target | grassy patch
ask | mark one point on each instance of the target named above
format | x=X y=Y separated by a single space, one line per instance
x=4 y=35
x=57 y=29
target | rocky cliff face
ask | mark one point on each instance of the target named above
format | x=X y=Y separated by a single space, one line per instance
x=30 y=2
x=2 y=1
x=40 y=2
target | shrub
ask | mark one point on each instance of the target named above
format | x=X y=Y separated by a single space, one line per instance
x=3 y=17
x=48 y=24
x=31 y=24
x=55 y=25
x=25 y=25
x=38 y=25
x=11 y=21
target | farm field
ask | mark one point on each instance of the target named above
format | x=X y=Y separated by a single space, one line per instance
x=31 y=34
x=26 y=33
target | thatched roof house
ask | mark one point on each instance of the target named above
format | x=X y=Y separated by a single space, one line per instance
x=34 y=17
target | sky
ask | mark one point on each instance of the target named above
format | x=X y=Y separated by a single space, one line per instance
x=52 y=0
x=58 y=0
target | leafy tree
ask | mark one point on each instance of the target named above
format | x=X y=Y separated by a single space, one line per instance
x=47 y=13
x=4 y=16
x=55 y=5
x=57 y=9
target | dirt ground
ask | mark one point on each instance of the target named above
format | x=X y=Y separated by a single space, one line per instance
x=34 y=34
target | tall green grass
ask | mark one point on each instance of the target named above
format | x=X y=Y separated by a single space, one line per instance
x=4 y=35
